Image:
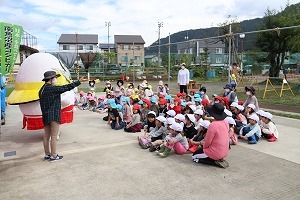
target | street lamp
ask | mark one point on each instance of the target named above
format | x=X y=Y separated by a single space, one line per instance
x=160 y=24
x=108 y=24
x=242 y=36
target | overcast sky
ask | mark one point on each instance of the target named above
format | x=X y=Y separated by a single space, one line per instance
x=48 y=19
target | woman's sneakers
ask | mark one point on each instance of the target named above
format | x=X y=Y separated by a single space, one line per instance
x=55 y=158
x=47 y=157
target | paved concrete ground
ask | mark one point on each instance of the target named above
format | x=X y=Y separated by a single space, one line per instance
x=104 y=164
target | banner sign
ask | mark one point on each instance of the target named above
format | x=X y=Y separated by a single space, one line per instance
x=10 y=38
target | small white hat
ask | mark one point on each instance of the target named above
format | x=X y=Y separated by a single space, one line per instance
x=205 y=123
x=172 y=113
x=161 y=119
x=230 y=120
x=180 y=117
x=254 y=117
x=228 y=112
x=241 y=108
x=234 y=104
x=176 y=127
x=191 y=117
x=268 y=115
x=192 y=107
x=170 y=120
x=260 y=112
x=199 y=112
x=152 y=112
x=252 y=106
x=160 y=83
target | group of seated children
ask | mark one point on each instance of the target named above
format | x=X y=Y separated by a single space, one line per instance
x=181 y=123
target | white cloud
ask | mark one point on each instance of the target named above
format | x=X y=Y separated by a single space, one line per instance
x=48 y=19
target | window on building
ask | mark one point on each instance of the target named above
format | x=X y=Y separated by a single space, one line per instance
x=80 y=47
x=201 y=50
x=137 y=57
x=137 y=48
x=218 y=50
x=66 y=47
x=218 y=60
x=124 y=59
x=125 y=47
x=89 y=47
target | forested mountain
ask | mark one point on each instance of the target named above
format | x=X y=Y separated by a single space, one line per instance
x=244 y=26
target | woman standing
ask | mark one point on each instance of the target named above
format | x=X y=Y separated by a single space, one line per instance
x=183 y=78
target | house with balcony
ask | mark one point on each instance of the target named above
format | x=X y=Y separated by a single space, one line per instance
x=215 y=50
x=104 y=47
x=84 y=43
x=130 y=50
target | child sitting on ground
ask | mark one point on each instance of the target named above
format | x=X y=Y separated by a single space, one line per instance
x=154 y=107
x=199 y=138
x=144 y=111
x=155 y=146
x=268 y=128
x=150 y=123
x=162 y=110
x=126 y=110
x=189 y=128
x=154 y=135
x=174 y=141
x=232 y=136
x=135 y=123
x=252 y=131
x=114 y=119
x=198 y=118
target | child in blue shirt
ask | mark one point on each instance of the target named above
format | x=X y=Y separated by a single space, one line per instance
x=252 y=131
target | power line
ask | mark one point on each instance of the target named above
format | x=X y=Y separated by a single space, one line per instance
x=228 y=35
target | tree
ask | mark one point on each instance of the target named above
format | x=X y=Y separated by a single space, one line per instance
x=278 y=42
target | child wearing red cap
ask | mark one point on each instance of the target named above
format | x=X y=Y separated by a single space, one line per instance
x=144 y=111
x=162 y=111
x=135 y=124
x=177 y=105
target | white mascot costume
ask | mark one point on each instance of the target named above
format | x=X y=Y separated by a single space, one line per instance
x=27 y=86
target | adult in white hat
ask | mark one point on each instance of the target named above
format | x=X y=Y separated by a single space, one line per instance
x=183 y=78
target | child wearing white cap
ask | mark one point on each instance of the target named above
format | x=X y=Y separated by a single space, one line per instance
x=232 y=136
x=268 y=129
x=198 y=140
x=154 y=135
x=155 y=146
x=240 y=119
x=198 y=118
x=174 y=141
x=250 y=109
x=252 y=131
x=189 y=127
x=179 y=118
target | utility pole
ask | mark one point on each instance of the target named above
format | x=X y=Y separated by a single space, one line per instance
x=169 y=60
x=133 y=69
x=229 y=54
x=160 y=24
x=108 y=24
x=77 y=65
